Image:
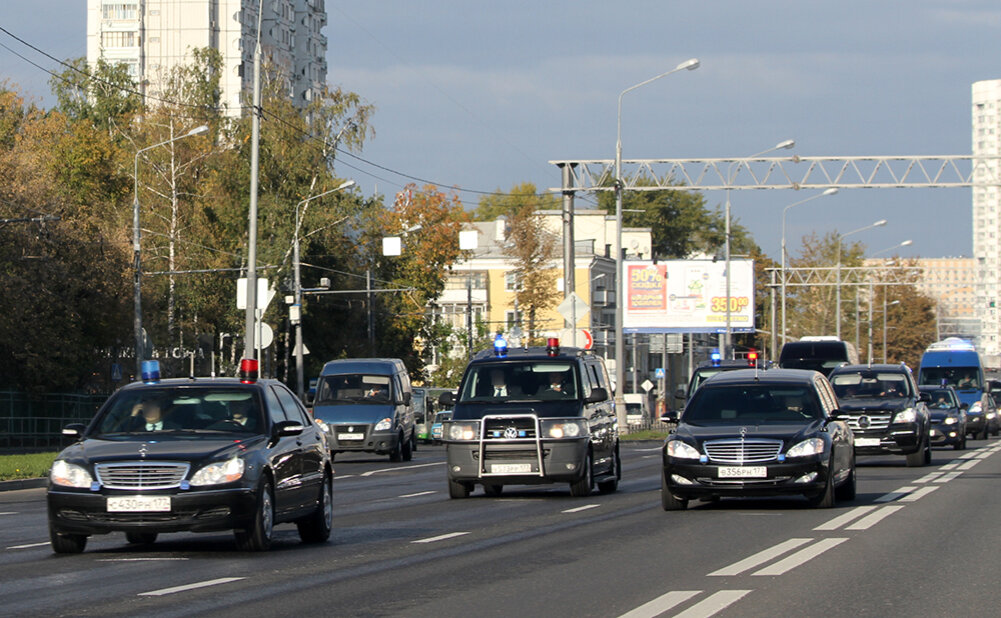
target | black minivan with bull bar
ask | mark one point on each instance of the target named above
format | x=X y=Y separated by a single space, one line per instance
x=528 y=416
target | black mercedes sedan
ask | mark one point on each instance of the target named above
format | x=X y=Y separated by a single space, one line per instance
x=759 y=433
x=193 y=454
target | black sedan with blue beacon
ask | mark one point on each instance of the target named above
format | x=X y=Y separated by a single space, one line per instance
x=759 y=433
x=196 y=455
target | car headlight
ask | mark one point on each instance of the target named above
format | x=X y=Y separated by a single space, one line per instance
x=806 y=448
x=991 y=415
x=321 y=424
x=950 y=420
x=976 y=408
x=463 y=431
x=219 y=472
x=564 y=429
x=906 y=416
x=681 y=450
x=69 y=475
x=384 y=425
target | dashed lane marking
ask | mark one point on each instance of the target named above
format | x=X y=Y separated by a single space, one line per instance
x=186 y=587
x=759 y=558
x=844 y=518
x=948 y=477
x=661 y=604
x=929 y=477
x=164 y=559
x=29 y=545
x=581 y=508
x=894 y=495
x=969 y=464
x=800 y=557
x=371 y=472
x=919 y=493
x=420 y=493
x=443 y=537
x=872 y=519
x=714 y=604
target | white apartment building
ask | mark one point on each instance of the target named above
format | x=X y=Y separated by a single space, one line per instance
x=153 y=36
x=951 y=283
x=986 y=117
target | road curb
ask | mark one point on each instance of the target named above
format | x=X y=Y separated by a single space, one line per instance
x=23 y=484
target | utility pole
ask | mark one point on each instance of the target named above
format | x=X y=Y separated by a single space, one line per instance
x=255 y=136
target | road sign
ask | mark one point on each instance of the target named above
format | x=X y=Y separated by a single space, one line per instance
x=588 y=339
x=647 y=385
x=265 y=335
x=658 y=373
x=573 y=308
x=264 y=294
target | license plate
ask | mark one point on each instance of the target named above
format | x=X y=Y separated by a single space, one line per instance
x=742 y=472
x=139 y=504
x=866 y=441
x=350 y=436
x=510 y=468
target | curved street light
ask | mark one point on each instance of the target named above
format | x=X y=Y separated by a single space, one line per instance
x=725 y=350
x=837 y=286
x=137 y=261
x=831 y=191
x=620 y=375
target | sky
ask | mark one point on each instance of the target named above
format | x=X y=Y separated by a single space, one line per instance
x=482 y=96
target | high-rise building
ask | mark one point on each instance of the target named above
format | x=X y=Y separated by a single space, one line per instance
x=986 y=117
x=153 y=36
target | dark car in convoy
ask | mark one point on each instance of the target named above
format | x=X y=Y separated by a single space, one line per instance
x=753 y=433
x=193 y=454
x=948 y=417
x=711 y=367
x=885 y=410
x=531 y=416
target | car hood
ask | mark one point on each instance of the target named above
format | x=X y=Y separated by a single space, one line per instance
x=873 y=405
x=170 y=448
x=938 y=415
x=788 y=432
x=358 y=413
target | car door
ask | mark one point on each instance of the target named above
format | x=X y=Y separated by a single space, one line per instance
x=842 y=441
x=285 y=458
x=601 y=416
x=311 y=445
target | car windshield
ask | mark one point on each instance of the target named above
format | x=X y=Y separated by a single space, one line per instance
x=200 y=409
x=941 y=398
x=752 y=404
x=870 y=385
x=353 y=388
x=964 y=378
x=519 y=381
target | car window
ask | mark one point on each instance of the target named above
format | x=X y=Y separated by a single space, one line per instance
x=752 y=403
x=870 y=385
x=275 y=410
x=191 y=409
x=531 y=380
x=293 y=411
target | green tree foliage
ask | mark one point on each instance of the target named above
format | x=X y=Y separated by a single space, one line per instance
x=520 y=196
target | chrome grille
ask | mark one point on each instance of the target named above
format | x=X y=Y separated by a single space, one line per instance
x=742 y=451
x=874 y=421
x=510 y=428
x=141 y=474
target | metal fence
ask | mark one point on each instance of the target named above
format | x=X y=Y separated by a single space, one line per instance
x=36 y=422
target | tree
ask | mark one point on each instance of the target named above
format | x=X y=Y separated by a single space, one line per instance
x=507 y=204
x=534 y=250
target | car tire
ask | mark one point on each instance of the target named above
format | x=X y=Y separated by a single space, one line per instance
x=317 y=526
x=141 y=538
x=67 y=543
x=493 y=490
x=258 y=536
x=397 y=453
x=459 y=489
x=983 y=434
x=408 y=449
x=582 y=487
x=615 y=469
x=917 y=458
x=825 y=499
x=847 y=490
x=667 y=500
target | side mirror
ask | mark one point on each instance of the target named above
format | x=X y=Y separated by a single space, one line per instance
x=287 y=428
x=446 y=399
x=671 y=416
x=597 y=394
x=407 y=398
x=835 y=415
x=74 y=430
x=925 y=397
x=964 y=406
x=681 y=392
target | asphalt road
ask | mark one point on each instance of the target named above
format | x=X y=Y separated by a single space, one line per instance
x=915 y=542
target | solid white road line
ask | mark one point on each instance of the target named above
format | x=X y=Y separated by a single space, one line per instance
x=874 y=518
x=371 y=472
x=893 y=495
x=759 y=558
x=800 y=557
x=450 y=535
x=844 y=518
x=581 y=508
x=661 y=604
x=29 y=545
x=920 y=493
x=205 y=584
x=420 y=493
x=713 y=605
x=8 y=513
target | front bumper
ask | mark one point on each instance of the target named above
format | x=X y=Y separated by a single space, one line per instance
x=85 y=512
x=975 y=423
x=688 y=479
x=946 y=435
x=360 y=437
x=898 y=439
x=562 y=461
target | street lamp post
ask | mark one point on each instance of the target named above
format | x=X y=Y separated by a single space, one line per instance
x=830 y=191
x=837 y=285
x=725 y=352
x=620 y=375
x=885 y=305
x=300 y=382
x=137 y=262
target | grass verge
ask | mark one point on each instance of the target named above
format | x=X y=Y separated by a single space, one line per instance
x=646 y=434
x=27 y=466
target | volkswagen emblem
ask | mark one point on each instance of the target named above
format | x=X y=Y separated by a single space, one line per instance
x=510 y=433
x=143 y=450
x=864 y=422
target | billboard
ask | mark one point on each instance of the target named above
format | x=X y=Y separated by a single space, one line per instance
x=687 y=296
